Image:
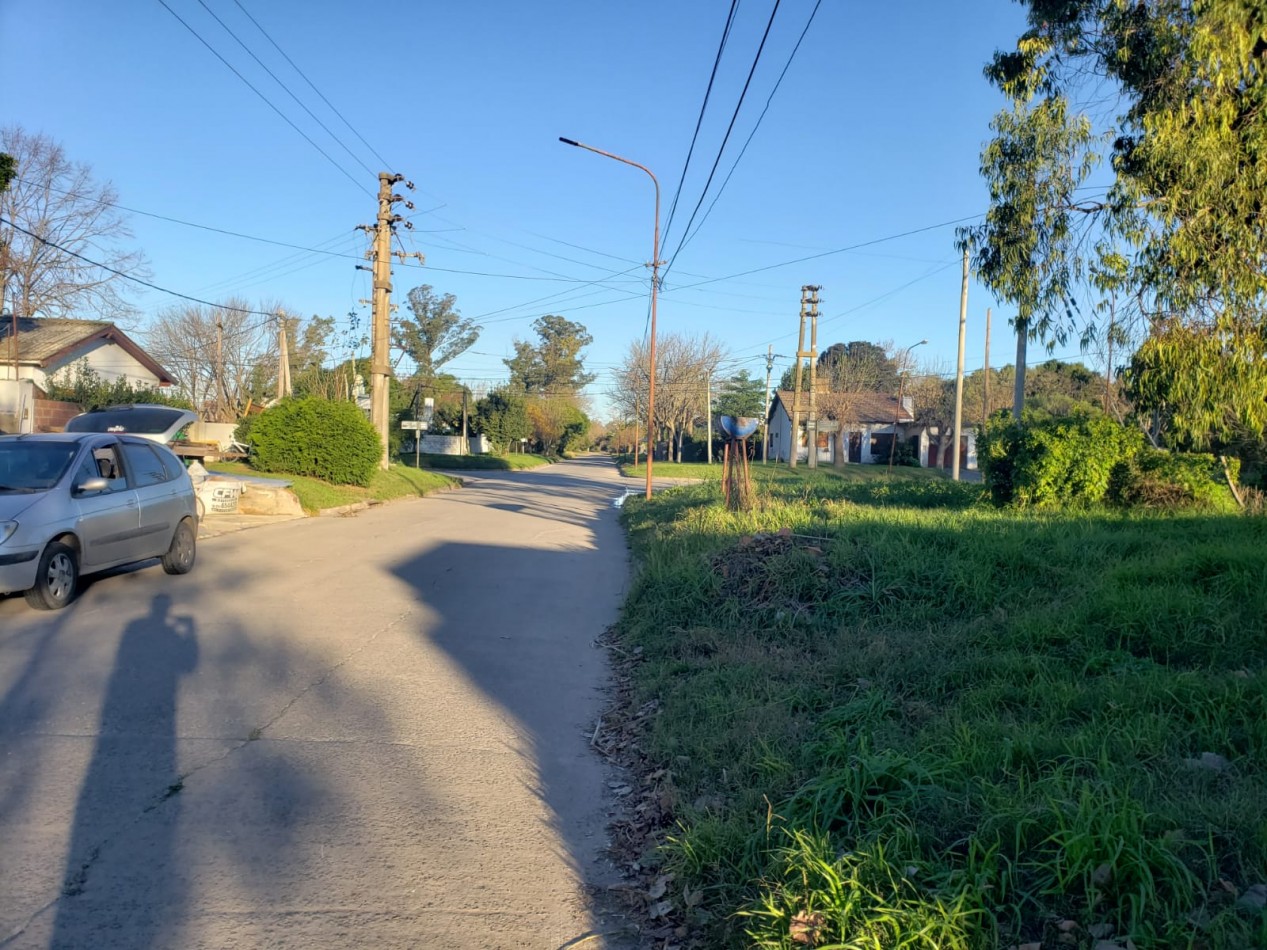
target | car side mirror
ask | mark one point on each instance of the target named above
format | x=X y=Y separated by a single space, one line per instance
x=91 y=485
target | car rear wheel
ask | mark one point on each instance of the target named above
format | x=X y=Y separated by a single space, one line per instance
x=56 y=579
x=180 y=557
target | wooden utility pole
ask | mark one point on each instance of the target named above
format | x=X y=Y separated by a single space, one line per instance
x=765 y=420
x=466 y=444
x=811 y=427
x=963 y=325
x=985 y=405
x=795 y=439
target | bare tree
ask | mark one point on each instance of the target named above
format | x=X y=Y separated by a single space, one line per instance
x=53 y=210
x=684 y=365
x=222 y=357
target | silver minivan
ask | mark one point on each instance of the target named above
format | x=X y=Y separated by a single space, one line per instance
x=77 y=503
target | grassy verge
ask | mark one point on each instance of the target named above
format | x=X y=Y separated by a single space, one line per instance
x=314 y=495
x=915 y=721
x=478 y=462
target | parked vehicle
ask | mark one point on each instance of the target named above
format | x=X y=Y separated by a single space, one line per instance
x=81 y=502
x=159 y=423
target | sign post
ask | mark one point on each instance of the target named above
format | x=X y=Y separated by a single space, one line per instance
x=416 y=426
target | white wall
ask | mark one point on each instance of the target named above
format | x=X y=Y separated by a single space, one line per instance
x=110 y=362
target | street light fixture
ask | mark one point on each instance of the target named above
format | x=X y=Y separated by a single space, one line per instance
x=901 y=382
x=655 y=281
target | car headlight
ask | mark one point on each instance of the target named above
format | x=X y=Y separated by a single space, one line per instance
x=6 y=530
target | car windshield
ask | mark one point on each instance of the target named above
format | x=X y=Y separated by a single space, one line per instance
x=141 y=420
x=27 y=466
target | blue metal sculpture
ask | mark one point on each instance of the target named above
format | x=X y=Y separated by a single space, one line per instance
x=736 y=484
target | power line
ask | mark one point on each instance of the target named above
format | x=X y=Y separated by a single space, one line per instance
x=689 y=236
x=726 y=138
x=730 y=20
x=127 y=276
x=385 y=162
x=298 y=101
x=267 y=101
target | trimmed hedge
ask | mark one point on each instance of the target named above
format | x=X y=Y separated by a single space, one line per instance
x=332 y=441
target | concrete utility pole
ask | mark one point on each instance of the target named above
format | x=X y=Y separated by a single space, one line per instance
x=708 y=398
x=963 y=325
x=985 y=408
x=283 y=359
x=381 y=304
x=222 y=397
x=795 y=439
x=811 y=427
x=765 y=420
x=380 y=331
x=1108 y=362
x=1018 y=386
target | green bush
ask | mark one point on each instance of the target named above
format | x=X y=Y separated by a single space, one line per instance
x=1153 y=478
x=1064 y=460
x=310 y=436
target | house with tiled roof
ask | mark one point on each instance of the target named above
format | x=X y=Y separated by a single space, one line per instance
x=858 y=428
x=49 y=349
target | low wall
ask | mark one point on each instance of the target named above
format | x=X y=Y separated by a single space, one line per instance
x=52 y=416
x=451 y=445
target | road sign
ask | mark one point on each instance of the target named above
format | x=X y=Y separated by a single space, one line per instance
x=415 y=424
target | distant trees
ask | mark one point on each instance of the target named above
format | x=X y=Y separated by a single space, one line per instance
x=67 y=212
x=555 y=363
x=739 y=396
x=502 y=416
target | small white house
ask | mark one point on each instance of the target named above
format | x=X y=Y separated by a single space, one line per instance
x=51 y=349
x=859 y=428
x=48 y=349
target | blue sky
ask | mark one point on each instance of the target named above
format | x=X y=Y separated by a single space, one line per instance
x=875 y=131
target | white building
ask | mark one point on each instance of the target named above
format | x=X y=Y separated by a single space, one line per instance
x=859 y=428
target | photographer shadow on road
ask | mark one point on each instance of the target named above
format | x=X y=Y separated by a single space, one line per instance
x=133 y=772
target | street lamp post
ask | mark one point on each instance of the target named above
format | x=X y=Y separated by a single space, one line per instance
x=901 y=382
x=655 y=281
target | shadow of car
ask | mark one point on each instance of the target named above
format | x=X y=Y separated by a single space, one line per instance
x=77 y=503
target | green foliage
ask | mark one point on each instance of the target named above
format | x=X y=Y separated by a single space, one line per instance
x=86 y=388
x=740 y=395
x=502 y=416
x=332 y=441
x=1206 y=383
x=554 y=366
x=435 y=334
x=1153 y=478
x=1058 y=461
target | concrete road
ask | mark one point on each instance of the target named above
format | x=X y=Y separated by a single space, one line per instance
x=347 y=732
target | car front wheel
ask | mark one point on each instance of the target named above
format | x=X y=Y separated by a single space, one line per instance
x=180 y=557
x=56 y=579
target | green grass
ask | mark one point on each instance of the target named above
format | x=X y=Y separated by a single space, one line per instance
x=513 y=462
x=315 y=495
x=930 y=723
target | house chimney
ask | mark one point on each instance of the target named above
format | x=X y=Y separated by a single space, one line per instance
x=908 y=405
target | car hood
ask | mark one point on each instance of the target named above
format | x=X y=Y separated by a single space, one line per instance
x=13 y=503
